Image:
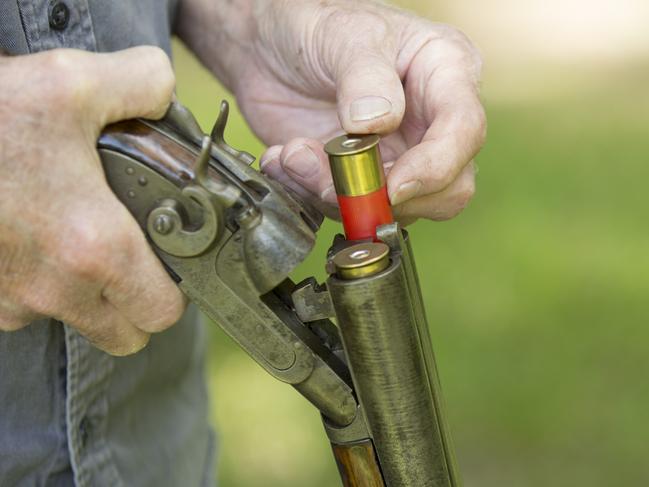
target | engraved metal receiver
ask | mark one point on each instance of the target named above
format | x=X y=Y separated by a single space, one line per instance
x=230 y=237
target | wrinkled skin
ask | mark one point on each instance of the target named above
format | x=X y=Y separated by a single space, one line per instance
x=68 y=248
x=304 y=71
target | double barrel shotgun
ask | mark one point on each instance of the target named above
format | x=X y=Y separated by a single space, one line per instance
x=229 y=237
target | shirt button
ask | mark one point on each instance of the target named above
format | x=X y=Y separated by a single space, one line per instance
x=59 y=15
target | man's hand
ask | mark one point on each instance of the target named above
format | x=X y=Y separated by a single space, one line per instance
x=301 y=70
x=68 y=248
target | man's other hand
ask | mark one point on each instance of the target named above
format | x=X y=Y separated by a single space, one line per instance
x=68 y=248
x=302 y=70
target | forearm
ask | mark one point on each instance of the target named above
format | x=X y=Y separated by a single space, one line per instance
x=222 y=34
x=282 y=37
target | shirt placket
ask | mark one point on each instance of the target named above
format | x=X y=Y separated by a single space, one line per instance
x=88 y=375
x=50 y=24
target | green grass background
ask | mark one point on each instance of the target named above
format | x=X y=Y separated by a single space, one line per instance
x=537 y=296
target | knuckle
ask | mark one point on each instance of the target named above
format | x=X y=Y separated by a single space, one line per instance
x=124 y=242
x=360 y=23
x=371 y=33
x=458 y=53
x=116 y=337
x=9 y=323
x=458 y=38
x=83 y=265
x=161 y=72
x=458 y=201
x=453 y=44
x=43 y=301
x=476 y=121
x=458 y=46
x=59 y=61
x=465 y=193
x=165 y=315
x=440 y=174
x=157 y=58
x=69 y=85
x=164 y=71
x=445 y=213
x=86 y=251
x=13 y=315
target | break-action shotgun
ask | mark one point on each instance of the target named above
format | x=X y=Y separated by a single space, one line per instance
x=230 y=236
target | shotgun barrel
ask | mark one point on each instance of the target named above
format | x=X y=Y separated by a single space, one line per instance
x=389 y=353
x=378 y=305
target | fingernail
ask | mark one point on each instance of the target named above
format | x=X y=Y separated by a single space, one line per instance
x=405 y=192
x=266 y=160
x=369 y=108
x=329 y=195
x=302 y=162
x=270 y=156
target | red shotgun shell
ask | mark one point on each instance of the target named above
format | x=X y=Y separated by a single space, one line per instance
x=359 y=181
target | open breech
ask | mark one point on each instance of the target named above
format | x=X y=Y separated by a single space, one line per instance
x=230 y=237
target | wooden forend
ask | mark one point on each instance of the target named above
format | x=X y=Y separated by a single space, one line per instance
x=358 y=465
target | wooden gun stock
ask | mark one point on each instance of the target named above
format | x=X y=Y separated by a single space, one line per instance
x=358 y=465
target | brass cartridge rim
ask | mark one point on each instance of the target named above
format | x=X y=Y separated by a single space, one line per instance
x=362 y=260
x=356 y=164
x=350 y=144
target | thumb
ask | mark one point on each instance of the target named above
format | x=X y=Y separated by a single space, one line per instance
x=135 y=82
x=370 y=95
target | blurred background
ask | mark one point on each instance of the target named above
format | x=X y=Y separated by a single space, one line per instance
x=537 y=295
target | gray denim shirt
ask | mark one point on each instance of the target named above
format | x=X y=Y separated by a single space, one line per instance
x=69 y=413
